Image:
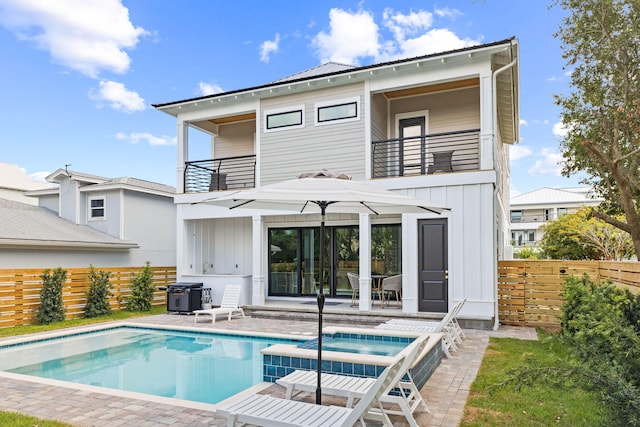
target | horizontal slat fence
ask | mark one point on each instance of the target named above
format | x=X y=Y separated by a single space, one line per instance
x=530 y=291
x=20 y=291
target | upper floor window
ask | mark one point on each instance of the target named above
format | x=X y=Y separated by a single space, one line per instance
x=337 y=111
x=96 y=208
x=516 y=216
x=562 y=211
x=287 y=118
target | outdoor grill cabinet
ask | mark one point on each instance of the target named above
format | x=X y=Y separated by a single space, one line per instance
x=184 y=297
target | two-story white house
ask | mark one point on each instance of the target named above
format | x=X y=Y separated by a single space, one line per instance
x=530 y=211
x=436 y=127
x=90 y=220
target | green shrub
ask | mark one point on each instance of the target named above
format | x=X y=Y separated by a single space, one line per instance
x=51 y=304
x=141 y=290
x=600 y=324
x=98 y=293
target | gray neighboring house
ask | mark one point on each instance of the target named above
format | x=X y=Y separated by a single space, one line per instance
x=90 y=220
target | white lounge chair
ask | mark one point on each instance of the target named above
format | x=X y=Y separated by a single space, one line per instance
x=408 y=396
x=447 y=327
x=452 y=325
x=265 y=410
x=229 y=305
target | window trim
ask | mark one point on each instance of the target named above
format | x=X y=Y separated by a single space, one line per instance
x=284 y=110
x=91 y=208
x=336 y=103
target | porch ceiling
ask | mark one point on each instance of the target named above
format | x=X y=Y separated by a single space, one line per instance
x=439 y=87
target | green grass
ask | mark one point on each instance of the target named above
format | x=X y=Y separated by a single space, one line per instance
x=116 y=315
x=18 y=420
x=492 y=403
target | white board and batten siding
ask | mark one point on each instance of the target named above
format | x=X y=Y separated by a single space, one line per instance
x=471 y=252
x=339 y=146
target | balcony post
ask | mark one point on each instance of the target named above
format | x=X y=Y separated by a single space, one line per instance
x=183 y=154
x=365 y=262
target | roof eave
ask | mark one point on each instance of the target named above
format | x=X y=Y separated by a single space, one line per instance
x=441 y=56
x=67 y=245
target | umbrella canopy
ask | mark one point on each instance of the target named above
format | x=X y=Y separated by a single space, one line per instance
x=323 y=192
x=336 y=192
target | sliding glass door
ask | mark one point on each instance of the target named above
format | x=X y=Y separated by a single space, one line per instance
x=294 y=260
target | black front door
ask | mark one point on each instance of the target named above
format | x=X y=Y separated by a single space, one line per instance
x=433 y=273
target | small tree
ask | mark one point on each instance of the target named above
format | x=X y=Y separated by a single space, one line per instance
x=141 y=290
x=98 y=294
x=51 y=304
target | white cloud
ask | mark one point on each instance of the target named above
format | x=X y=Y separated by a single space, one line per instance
x=517 y=152
x=354 y=36
x=138 y=137
x=88 y=36
x=268 y=47
x=560 y=130
x=351 y=36
x=549 y=163
x=523 y=122
x=209 y=88
x=118 y=97
x=40 y=176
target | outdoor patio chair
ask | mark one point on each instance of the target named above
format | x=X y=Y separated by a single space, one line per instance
x=444 y=327
x=266 y=410
x=354 y=281
x=392 y=286
x=406 y=394
x=229 y=305
x=453 y=325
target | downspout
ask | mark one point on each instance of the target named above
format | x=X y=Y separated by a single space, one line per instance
x=494 y=78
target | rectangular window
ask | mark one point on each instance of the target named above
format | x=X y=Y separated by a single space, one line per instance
x=337 y=111
x=562 y=211
x=284 y=119
x=532 y=235
x=96 y=208
x=516 y=216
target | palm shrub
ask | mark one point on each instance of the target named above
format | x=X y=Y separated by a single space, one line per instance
x=141 y=290
x=51 y=304
x=98 y=294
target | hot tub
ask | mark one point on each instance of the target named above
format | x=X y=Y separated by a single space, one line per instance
x=354 y=355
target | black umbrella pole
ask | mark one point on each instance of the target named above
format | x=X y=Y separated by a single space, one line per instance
x=318 y=387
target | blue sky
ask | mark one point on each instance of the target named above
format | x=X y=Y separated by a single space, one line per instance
x=79 y=76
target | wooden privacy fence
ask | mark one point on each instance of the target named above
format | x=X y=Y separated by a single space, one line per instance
x=530 y=292
x=20 y=291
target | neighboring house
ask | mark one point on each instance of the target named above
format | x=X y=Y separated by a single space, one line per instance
x=90 y=220
x=14 y=182
x=437 y=127
x=530 y=211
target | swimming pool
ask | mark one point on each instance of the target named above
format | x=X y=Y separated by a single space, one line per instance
x=196 y=366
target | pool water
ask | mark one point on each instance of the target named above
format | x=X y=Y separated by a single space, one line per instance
x=192 y=366
x=361 y=344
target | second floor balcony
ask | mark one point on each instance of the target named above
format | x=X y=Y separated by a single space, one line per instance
x=426 y=154
x=228 y=173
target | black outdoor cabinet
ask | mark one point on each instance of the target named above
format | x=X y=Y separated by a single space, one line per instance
x=184 y=297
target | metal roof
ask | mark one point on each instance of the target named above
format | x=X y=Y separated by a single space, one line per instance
x=334 y=70
x=554 y=196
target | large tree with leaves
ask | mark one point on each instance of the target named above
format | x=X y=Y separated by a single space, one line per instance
x=601 y=44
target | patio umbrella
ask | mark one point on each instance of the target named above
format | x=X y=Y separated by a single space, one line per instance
x=323 y=192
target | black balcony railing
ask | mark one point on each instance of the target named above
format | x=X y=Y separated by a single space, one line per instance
x=229 y=173
x=426 y=154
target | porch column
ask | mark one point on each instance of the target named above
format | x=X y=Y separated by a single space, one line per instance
x=257 y=280
x=488 y=133
x=183 y=154
x=365 y=262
